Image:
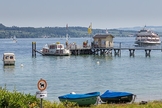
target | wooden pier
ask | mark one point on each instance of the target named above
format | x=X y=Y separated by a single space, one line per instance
x=81 y=51
x=76 y=50
x=117 y=51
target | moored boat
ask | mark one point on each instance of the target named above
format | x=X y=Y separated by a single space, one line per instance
x=86 y=99
x=148 y=37
x=117 y=97
x=55 y=49
x=14 y=39
x=9 y=59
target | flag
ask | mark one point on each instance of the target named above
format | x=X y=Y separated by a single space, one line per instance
x=90 y=29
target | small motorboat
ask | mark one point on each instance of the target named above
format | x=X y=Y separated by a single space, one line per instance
x=117 y=97
x=9 y=59
x=86 y=99
x=55 y=49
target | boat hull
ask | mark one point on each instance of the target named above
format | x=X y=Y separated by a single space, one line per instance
x=80 y=99
x=147 y=42
x=46 y=54
x=117 y=97
x=9 y=62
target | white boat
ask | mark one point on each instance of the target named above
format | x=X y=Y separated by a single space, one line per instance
x=14 y=39
x=9 y=59
x=145 y=36
x=55 y=49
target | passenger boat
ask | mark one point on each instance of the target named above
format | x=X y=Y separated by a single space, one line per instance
x=117 y=97
x=146 y=36
x=9 y=59
x=55 y=49
x=86 y=99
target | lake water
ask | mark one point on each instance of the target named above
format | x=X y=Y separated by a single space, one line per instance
x=139 y=75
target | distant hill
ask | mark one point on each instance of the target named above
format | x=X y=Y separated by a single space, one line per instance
x=58 y=32
x=154 y=28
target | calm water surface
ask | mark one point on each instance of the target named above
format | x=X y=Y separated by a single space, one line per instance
x=81 y=74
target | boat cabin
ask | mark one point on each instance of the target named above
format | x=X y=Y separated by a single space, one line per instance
x=9 y=59
x=53 y=47
x=103 y=41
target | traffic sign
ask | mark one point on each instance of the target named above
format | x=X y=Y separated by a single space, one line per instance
x=41 y=94
x=42 y=84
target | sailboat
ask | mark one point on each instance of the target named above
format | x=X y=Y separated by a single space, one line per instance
x=14 y=39
x=67 y=37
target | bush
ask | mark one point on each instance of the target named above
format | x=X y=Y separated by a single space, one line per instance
x=17 y=100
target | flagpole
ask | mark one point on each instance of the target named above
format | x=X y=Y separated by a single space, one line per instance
x=67 y=32
x=66 y=37
x=90 y=31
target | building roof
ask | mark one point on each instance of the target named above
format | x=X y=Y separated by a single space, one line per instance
x=103 y=35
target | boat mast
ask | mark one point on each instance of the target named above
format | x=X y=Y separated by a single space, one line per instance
x=67 y=37
x=144 y=27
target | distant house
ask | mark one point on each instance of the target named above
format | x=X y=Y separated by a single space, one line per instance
x=103 y=41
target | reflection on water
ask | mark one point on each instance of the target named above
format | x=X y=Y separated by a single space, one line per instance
x=8 y=68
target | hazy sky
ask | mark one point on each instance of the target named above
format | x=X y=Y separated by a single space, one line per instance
x=101 y=13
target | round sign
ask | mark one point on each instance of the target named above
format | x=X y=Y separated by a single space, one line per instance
x=42 y=84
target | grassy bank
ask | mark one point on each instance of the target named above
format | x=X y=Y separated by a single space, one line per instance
x=16 y=99
x=154 y=104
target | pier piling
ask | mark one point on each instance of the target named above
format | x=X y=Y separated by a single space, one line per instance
x=33 y=49
x=147 y=52
x=131 y=52
x=117 y=52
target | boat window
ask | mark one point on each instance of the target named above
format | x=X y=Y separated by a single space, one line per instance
x=11 y=57
x=57 y=51
x=59 y=46
x=7 y=57
x=52 y=47
x=61 y=51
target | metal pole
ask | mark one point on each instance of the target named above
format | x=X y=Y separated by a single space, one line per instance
x=161 y=48
x=41 y=106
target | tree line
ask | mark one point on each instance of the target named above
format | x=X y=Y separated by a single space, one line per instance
x=55 y=32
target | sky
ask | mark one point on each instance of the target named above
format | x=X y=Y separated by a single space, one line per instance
x=103 y=14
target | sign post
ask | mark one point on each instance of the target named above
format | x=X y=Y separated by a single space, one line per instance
x=42 y=85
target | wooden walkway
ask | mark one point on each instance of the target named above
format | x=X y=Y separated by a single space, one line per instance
x=80 y=50
x=117 y=51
